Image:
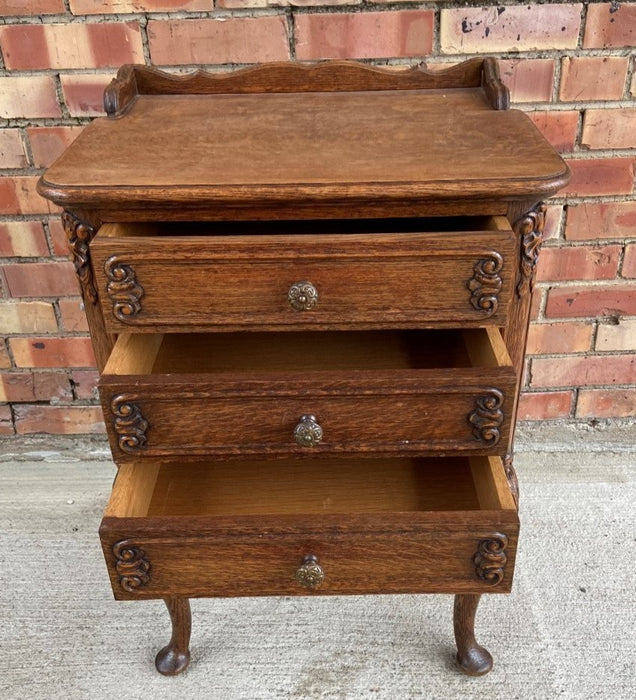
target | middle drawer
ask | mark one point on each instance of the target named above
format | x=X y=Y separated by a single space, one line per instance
x=394 y=392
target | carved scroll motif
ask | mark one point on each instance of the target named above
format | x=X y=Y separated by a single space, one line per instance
x=487 y=417
x=485 y=284
x=511 y=476
x=123 y=289
x=131 y=565
x=530 y=229
x=129 y=424
x=79 y=235
x=490 y=559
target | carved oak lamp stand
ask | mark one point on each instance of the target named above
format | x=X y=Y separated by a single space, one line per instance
x=310 y=343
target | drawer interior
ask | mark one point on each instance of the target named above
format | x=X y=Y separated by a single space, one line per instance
x=306 y=351
x=447 y=224
x=297 y=487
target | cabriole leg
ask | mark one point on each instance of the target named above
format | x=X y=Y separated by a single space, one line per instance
x=175 y=657
x=473 y=659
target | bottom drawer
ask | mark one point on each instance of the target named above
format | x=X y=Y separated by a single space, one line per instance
x=297 y=527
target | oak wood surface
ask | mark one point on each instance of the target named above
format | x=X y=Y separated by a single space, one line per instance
x=374 y=393
x=296 y=146
x=326 y=76
x=207 y=282
x=376 y=526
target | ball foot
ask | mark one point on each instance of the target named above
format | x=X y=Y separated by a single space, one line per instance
x=170 y=661
x=475 y=662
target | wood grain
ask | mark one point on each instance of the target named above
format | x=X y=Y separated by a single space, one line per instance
x=372 y=393
x=363 y=279
x=330 y=147
x=376 y=526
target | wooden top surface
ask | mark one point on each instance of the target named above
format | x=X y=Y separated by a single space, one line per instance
x=427 y=144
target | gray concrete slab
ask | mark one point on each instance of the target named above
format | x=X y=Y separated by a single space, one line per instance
x=567 y=630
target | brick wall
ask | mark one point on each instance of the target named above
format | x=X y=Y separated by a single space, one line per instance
x=569 y=65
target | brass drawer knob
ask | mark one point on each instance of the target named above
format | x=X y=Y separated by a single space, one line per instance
x=307 y=433
x=302 y=296
x=310 y=573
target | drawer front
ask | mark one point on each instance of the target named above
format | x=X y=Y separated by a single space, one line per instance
x=459 y=552
x=304 y=281
x=456 y=410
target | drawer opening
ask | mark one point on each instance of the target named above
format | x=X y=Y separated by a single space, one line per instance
x=304 y=352
x=442 y=224
x=297 y=487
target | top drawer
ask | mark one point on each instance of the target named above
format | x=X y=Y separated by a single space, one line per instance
x=197 y=277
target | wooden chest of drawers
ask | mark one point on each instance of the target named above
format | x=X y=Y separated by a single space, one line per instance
x=308 y=291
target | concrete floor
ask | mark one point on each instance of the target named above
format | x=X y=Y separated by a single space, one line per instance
x=567 y=630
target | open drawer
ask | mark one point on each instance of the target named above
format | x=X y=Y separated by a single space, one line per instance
x=289 y=527
x=305 y=275
x=188 y=396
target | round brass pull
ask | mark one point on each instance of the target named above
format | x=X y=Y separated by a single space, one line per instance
x=310 y=573
x=302 y=296
x=308 y=433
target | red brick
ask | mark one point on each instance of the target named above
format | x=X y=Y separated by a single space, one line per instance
x=11 y=149
x=552 y=224
x=553 y=338
x=529 y=80
x=73 y=315
x=109 y=7
x=5 y=361
x=27 y=317
x=559 y=128
x=22 y=239
x=84 y=94
x=58 y=420
x=6 y=421
x=17 y=8
x=248 y=4
x=629 y=261
x=48 y=142
x=364 y=34
x=580 y=263
x=59 y=241
x=583 y=371
x=28 y=96
x=75 y=45
x=609 y=128
x=52 y=279
x=605 y=220
x=613 y=337
x=603 y=403
x=593 y=78
x=233 y=40
x=510 y=28
x=35 y=386
x=608 y=300
x=610 y=25
x=8 y=196
x=52 y=352
x=600 y=176
x=536 y=303
x=19 y=196
x=85 y=383
x=545 y=405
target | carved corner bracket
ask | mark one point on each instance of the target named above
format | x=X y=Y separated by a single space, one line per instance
x=497 y=93
x=129 y=424
x=487 y=417
x=131 y=565
x=123 y=289
x=486 y=283
x=511 y=476
x=80 y=234
x=530 y=229
x=490 y=558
